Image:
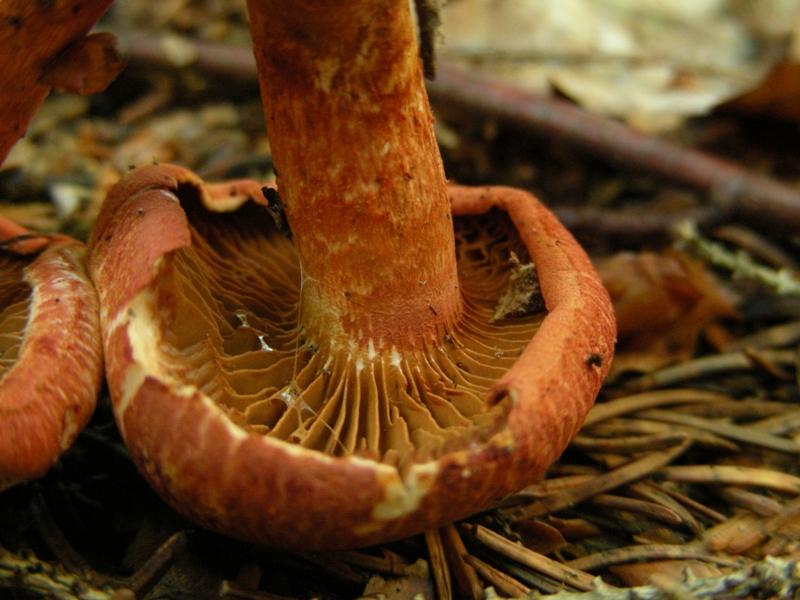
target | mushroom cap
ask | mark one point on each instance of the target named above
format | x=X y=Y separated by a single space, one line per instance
x=51 y=363
x=439 y=432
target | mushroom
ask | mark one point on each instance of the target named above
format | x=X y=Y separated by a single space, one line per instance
x=51 y=363
x=347 y=380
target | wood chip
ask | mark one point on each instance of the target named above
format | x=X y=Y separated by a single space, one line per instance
x=756 y=535
x=717 y=538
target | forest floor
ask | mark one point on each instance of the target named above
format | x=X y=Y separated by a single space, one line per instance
x=685 y=478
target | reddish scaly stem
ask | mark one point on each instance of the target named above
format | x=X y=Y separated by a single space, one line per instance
x=369 y=213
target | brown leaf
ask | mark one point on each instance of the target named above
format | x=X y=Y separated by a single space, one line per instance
x=776 y=97
x=85 y=67
x=538 y=536
x=662 y=302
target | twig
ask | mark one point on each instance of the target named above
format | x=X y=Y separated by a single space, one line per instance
x=143 y=580
x=709 y=365
x=465 y=578
x=757 y=245
x=568 y=575
x=438 y=562
x=546 y=487
x=732 y=475
x=759 y=504
x=629 y=426
x=505 y=583
x=778 y=424
x=390 y=565
x=649 y=491
x=626 y=444
x=734 y=432
x=64 y=552
x=647 y=509
x=740 y=263
x=645 y=552
x=779 y=336
x=693 y=505
x=601 y=483
x=610 y=223
x=637 y=402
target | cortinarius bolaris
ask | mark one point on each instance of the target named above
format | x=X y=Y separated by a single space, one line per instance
x=392 y=365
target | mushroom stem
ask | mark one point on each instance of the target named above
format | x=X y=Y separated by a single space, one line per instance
x=369 y=213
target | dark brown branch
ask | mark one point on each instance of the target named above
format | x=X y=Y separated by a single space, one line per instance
x=734 y=190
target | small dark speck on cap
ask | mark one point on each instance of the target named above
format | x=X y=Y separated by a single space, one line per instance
x=594 y=360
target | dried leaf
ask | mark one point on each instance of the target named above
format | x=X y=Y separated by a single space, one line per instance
x=85 y=67
x=777 y=97
x=662 y=302
x=538 y=536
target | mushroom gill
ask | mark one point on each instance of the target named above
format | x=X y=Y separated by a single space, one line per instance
x=15 y=301
x=229 y=307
